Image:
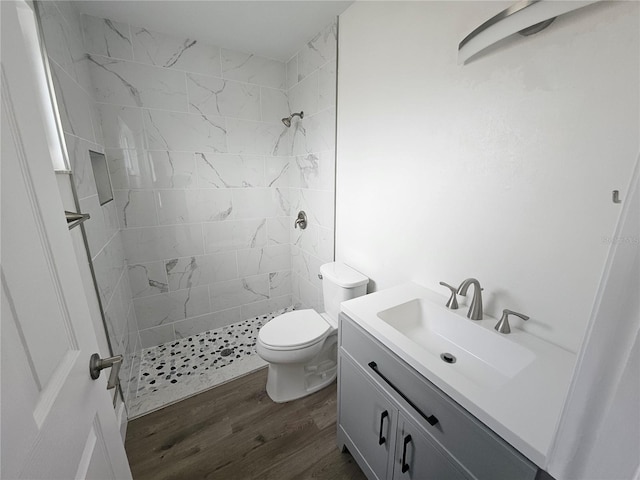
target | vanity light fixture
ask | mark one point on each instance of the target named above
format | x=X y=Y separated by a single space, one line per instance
x=526 y=17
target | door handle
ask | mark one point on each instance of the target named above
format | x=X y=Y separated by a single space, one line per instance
x=381 y=438
x=97 y=364
x=405 y=465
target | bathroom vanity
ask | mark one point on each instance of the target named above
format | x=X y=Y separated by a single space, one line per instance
x=405 y=412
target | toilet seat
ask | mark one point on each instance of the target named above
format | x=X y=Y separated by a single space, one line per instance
x=294 y=330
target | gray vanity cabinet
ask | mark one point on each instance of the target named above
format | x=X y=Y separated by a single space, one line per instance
x=369 y=418
x=417 y=457
x=398 y=425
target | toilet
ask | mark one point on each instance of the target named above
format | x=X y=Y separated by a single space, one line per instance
x=301 y=346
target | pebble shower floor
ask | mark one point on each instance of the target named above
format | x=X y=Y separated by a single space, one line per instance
x=181 y=368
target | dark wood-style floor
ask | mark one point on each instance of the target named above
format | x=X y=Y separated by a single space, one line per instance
x=235 y=431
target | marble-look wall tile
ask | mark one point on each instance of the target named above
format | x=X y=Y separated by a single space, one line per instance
x=318 y=133
x=250 y=68
x=167 y=51
x=136 y=208
x=165 y=308
x=96 y=123
x=201 y=270
x=269 y=259
x=57 y=36
x=306 y=266
x=278 y=230
x=292 y=71
x=234 y=235
x=318 y=51
x=210 y=321
x=246 y=137
x=274 y=105
x=327 y=86
x=78 y=151
x=326 y=251
x=106 y=37
x=308 y=295
x=156 y=336
x=193 y=206
x=230 y=171
x=185 y=132
x=122 y=127
x=127 y=168
x=266 y=307
x=95 y=226
x=172 y=169
x=148 y=244
x=133 y=84
x=235 y=293
x=314 y=170
x=280 y=283
x=277 y=171
x=304 y=96
x=148 y=279
x=259 y=203
x=211 y=95
x=73 y=105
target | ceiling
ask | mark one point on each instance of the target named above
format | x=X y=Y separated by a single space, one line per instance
x=274 y=29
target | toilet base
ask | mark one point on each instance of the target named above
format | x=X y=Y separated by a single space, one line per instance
x=290 y=382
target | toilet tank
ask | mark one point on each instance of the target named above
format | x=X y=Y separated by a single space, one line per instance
x=339 y=283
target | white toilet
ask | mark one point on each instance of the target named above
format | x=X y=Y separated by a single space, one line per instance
x=301 y=346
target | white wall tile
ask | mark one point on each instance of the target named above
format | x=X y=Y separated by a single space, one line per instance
x=253 y=69
x=156 y=336
x=327 y=86
x=136 y=208
x=210 y=321
x=274 y=105
x=106 y=37
x=318 y=51
x=265 y=307
x=223 y=97
x=147 y=279
x=73 y=104
x=172 y=169
x=278 y=230
x=280 y=283
x=292 y=71
x=234 y=235
x=193 y=206
x=268 y=259
x=165 y=308
x=304 y=96
x=201 y=270
x=167 y=51
x=258 y=138
x=133 y=84
x=277 y=171
x=230 y=171
x=185 y=132
x=239 y=292
x=80 y=163
x=148 y=244
x=122 y=127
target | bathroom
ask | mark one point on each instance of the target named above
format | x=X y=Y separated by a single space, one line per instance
x=411 y=165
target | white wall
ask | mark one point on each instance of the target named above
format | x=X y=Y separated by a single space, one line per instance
x=501 y=169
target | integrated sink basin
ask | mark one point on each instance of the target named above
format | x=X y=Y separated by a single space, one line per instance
x=485 y=357
x=515 y=384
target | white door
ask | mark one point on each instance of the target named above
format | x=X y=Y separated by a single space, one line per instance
x=56 y=423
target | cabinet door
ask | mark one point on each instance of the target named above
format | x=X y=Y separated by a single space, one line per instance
x=368 y=418
x=417 y=457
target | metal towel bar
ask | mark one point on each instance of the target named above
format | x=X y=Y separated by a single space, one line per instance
x=75 y=219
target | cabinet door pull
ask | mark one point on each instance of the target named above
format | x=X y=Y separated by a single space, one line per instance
x=429 y=418
x=405 y=465
x=381 y=438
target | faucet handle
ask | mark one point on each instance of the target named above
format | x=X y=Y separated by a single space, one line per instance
x=503 y=325
x=453 y=301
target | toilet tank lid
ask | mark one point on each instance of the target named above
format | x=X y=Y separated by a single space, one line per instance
x=343 y=275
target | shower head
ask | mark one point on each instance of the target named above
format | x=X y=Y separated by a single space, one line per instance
x=287 y=120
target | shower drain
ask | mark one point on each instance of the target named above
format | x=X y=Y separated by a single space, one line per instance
x=226 y=352
x=448 y=358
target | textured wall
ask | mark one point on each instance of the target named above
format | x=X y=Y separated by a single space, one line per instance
x=501 y=169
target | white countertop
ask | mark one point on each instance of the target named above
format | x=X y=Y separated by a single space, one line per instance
x=524 y=410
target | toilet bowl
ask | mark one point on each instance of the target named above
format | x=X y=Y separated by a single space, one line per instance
x=301 y=346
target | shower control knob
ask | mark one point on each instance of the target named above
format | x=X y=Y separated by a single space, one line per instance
x=301 y=220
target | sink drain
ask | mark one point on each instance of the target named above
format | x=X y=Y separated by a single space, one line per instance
x=226 y=352
x=447 y=358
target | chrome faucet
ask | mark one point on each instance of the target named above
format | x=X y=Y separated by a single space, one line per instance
x=475 y=309
x=503 y=325
x=452 y=304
